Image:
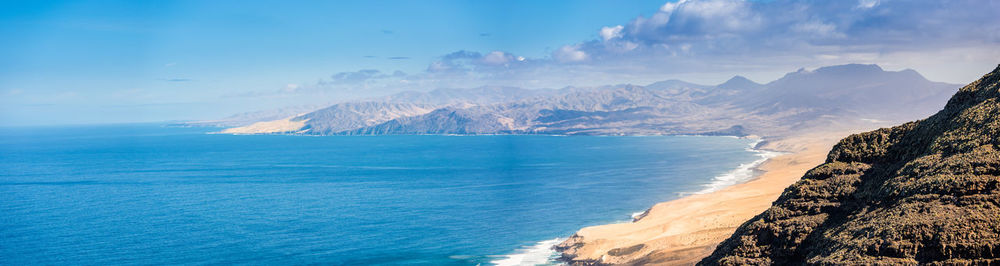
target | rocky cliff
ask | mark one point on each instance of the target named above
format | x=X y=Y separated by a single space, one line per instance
x=925 y=192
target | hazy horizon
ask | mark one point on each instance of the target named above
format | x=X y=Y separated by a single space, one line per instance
x=500 y=132
x=114 y=62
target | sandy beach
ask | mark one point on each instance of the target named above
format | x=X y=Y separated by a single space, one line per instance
x=682 y=231
x=286 y=125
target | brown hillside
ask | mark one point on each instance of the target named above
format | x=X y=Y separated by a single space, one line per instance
x=925 y=192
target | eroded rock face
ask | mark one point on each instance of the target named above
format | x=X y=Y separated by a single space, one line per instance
x=925 y=192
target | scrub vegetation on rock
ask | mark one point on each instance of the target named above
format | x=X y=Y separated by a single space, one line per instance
x=925 y=192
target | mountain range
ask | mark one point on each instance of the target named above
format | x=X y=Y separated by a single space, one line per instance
x=822 y=97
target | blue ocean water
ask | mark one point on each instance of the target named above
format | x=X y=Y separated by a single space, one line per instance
x=149 y=194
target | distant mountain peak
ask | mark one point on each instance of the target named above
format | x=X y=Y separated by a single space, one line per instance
x=674 y=84
x=739 y=82
x=850 y=69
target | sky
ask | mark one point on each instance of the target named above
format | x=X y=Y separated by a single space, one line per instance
x=85 y=62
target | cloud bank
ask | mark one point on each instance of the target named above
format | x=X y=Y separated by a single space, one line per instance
x=713 y=39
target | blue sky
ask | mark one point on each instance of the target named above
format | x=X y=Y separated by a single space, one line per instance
x=130 y=61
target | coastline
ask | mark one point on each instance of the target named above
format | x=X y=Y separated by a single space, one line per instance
x=744 y=172
x=682 y=231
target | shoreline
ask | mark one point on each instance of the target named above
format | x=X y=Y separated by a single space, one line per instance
x=680 y=240
x=542 y=252
x=743 y=173
x=682 y=231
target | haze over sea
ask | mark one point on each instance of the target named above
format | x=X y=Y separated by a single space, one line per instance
x=150 y=194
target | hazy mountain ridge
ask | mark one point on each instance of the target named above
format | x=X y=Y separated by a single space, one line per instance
x=434 y=99
x=247 y=118
x=924 y=192
x=616 y=110
x=857 y=89
x=669 y=107
x=347 y=116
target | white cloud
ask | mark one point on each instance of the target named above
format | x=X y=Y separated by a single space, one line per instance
x=866 y=4
x=670 y=6
x=714 y=39
x=712 y=8
x=741 y=36
x=569 y=53
x=438 y=66
x=817 y=29
x=608 y=33
x=497 y=58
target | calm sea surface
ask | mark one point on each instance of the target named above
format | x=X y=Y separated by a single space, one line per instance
x=148 y=194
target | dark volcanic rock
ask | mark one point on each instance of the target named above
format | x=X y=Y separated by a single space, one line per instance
x=925 y=192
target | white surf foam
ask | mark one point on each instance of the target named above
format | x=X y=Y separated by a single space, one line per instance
x=540 y=253
x=741 y=174
x=637 y=214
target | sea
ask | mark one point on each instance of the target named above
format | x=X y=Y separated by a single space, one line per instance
x=152 y=194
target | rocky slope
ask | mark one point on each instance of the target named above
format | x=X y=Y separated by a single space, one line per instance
x=925 y=192
x=347 y=116
x=612 y=110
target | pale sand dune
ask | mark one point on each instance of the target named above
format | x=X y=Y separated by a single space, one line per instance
x=683 y=231
x=269 y=127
